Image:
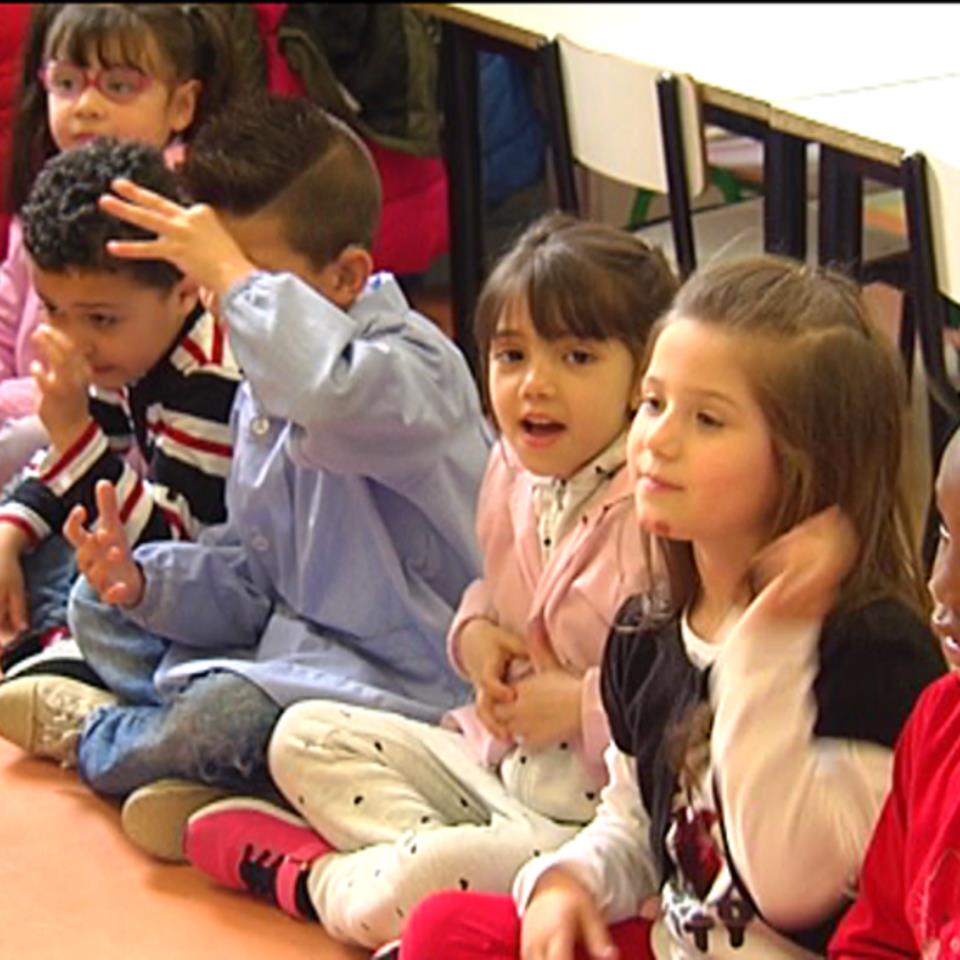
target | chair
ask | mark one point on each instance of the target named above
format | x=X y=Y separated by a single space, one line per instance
x=932 y=196
x=658 y=145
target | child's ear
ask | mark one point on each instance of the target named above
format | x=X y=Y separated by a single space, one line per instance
x=351 y=270
x=187 y=294
x=183 y=104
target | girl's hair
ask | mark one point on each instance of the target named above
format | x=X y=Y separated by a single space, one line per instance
x=577 y=279
x=192 y=41
x=833 y=393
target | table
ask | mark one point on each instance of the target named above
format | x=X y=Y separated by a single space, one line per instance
x=759 y=70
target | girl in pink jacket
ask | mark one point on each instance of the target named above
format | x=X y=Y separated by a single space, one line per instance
x=412 y=808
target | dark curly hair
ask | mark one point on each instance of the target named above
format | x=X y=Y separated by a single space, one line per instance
x=65 y=229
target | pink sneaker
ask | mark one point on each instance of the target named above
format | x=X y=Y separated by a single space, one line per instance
x=250 y=844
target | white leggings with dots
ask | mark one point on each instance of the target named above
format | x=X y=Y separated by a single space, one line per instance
x=412 y=812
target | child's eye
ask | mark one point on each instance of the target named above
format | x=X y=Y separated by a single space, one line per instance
x=507 y=355
x=579 y=358
x=709 y=420
x=103 y=321
x=63 y=84
x=651 y=404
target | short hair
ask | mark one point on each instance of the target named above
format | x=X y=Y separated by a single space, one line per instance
x=288 y=157
x=64 y=227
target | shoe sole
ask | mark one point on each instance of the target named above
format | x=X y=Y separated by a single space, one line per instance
x=247 y=804
x=154 y=818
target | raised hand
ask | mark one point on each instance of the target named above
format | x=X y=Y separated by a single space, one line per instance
x=486 y=651
x=103 y=555
x=192 y=238
x=63 y=377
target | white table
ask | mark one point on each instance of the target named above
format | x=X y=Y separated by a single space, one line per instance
x=787 y=67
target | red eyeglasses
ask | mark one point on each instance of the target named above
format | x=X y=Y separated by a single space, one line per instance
x=69 y=80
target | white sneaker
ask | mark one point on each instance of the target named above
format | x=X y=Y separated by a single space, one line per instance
x=44 y=715
x=154 y=816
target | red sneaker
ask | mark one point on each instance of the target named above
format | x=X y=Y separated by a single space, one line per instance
x=250 y=844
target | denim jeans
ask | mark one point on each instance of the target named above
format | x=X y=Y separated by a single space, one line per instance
x=215 y=730
x=49 y=571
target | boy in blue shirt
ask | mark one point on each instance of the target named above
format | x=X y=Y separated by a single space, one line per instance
x=359 y=450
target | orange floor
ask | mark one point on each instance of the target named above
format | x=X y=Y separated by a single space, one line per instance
x=71 y=887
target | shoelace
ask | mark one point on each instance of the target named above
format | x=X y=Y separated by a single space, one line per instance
x=258 y=871
x=60 y=733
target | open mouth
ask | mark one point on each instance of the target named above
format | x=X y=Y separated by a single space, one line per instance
x=539 y=428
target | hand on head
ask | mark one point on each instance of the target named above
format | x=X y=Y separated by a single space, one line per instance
x=103 y=555
x=191 y=238
x=797 y=575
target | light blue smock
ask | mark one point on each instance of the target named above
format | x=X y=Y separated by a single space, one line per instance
x=359 y=450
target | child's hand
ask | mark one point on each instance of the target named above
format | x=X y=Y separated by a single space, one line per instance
x=561 y=914
x=797 y=575
x=13 y=597
x=63 y=376
x=191 y=238
x=103 y=556
x=486 y=650
x=546 y=709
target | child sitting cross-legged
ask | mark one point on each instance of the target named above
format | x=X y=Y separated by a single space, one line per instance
x=414 y=808
x=359 y=450
x=129 y=362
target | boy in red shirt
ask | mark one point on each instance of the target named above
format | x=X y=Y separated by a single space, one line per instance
x=909 y=898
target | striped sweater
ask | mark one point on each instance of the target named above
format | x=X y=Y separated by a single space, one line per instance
x=176 y=417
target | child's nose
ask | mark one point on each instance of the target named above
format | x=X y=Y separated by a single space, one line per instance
x=663 y=435
x=537 y=380
x=90 y=101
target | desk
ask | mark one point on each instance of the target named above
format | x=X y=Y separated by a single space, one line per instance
x=753 y=66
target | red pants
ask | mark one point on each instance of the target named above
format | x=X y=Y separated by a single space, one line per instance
x=482 y=926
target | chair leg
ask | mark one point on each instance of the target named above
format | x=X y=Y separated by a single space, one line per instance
x=784 y=195
x=907 y=336
x=558 y=127
x=675 y=158
x=465 y=182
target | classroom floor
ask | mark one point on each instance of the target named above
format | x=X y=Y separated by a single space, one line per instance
x=72 y=888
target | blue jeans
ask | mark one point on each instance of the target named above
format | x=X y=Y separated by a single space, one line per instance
x=49 y=571
x=216 y=730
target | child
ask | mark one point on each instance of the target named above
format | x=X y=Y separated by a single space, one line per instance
x=753 y=720
x=360 y=447
x=561 y=324
x=146 y=72
x=127 y=359
x=908 y=903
